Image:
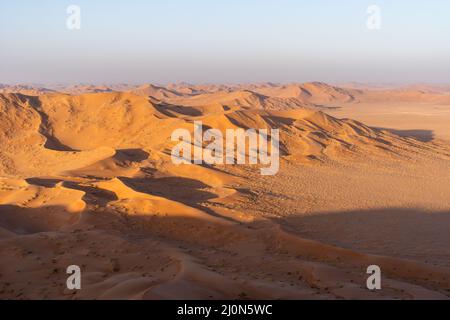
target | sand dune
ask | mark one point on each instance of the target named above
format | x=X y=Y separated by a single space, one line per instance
x=86 y=178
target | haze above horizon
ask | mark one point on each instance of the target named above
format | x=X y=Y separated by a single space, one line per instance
x=224 y=42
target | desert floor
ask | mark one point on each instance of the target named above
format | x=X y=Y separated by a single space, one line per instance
x=425 y=121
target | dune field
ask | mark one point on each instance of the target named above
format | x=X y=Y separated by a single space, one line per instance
x=86 y=178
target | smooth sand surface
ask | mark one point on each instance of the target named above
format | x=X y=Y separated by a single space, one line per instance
x=425 y=121
x=86 y=178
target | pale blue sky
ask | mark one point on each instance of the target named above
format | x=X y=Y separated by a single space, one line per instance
x=199 y=41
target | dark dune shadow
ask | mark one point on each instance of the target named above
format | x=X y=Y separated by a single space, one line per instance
x=418 y=134
x=184 y=190
x=325 y=107
x=53 y=143
x=216 y=168
x=43 y=182
x=277 y=121
x=45 y=129
x=172 y=110
x=394 y=232
x=23 y=221
x=135 y=155
x=187 y=191
x=237 y=123
x=93 y=196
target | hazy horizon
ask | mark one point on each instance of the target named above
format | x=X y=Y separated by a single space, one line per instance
x=55 y=85
x=229 y=42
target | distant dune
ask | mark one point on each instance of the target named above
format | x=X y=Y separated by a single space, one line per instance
x=86 y=178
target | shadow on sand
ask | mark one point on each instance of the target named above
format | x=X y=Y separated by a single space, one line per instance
x=405 y=233
x=418 y=134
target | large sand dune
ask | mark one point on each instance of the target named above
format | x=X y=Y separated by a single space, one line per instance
x=86 y=178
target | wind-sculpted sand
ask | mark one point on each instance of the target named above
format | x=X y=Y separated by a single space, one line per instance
x=86 y=178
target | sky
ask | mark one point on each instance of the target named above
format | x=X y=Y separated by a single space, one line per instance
x=224 y=41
